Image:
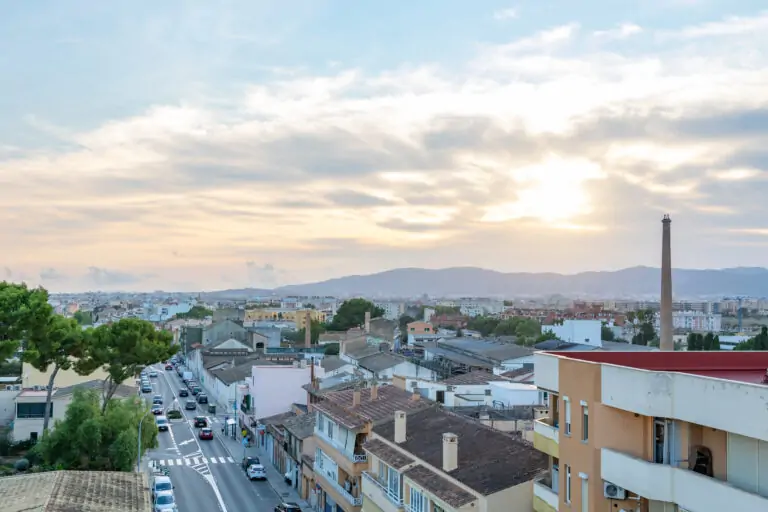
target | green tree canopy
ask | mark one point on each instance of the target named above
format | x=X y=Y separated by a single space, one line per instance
x=197 y=312
x=24 y=312
x=332 y=349
x=86 y=439
x=83 y=317
x=58 y=346
x=447 y=310
x=606 y=333
x=122 y=349
x=759 y=342
x=351 y=314
x=316 y=329
x=485 y=325
x=646 y=333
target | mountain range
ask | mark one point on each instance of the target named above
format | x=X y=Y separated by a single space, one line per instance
x=478 y=282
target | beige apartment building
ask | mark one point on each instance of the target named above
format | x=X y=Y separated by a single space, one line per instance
x=653 y=432
x=437 y=461
x=344 y=420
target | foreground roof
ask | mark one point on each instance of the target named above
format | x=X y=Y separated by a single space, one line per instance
x=488 y=460
x=338 y=405
x=69 y=491
x=744 y=366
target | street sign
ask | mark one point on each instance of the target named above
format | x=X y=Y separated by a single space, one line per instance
x=244 y=442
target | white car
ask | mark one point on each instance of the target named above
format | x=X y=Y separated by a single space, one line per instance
x=161 y=484
x=256 y=472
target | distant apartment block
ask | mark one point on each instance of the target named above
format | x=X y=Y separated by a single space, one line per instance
x=392 y=310
x=583 y=332
x=653 y=431
x=297 y=316
x=694 y=321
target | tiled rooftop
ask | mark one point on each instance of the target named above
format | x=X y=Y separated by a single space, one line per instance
x=740 y=366
x=450 y=493
x=391 y=456
x=472 y=378
x=338 y=405
x=300 y=426
x=488 y=460
x=70 y=491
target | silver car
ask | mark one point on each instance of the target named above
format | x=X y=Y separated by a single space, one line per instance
x=164 y=502
x=161 y=484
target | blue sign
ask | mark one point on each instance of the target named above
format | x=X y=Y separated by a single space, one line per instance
x=234 y=406
x=244 y=442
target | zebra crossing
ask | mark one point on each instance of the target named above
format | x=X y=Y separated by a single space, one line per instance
x=194 y=461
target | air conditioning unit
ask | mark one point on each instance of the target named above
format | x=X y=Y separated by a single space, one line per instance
x=450 y=388
x=614 y=492
x=414 y=384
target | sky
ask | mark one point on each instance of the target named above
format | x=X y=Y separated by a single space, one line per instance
x=198 y=145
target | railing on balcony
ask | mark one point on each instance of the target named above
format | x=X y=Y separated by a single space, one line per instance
x=357 y=458
x=355 y=502
x=542 y=489
x=392 y=497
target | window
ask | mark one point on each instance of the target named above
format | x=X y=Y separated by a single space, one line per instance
x=330 y=430
x=320 y=422
x=567 y=483
x=567 y=416
x=487 y=392
x=419 y=502
x=585 y=422
x=33 y=437
x=31 y=410
x=437 y=508
x=393 y=482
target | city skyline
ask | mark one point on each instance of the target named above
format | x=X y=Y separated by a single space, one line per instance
x=261 y=145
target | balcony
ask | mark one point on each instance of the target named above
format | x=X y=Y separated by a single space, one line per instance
x=545 y=499
x=546 y=437
x=336 y=486
x=663 y=482
x=380 y=495
x=356 y=458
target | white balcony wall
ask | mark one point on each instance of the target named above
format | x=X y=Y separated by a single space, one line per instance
x=717 y=403
x=547 y=375
x=548 y=431
x=662 y=482
x=545 y=493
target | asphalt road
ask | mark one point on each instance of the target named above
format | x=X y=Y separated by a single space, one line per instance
x=206 y=476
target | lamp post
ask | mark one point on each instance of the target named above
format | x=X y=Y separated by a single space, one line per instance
x=138 y=443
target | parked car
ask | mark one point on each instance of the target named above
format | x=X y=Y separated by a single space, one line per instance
x=157 y=409
x=191 y=405
x=162 y=423
x=169 y=366
x=201 y=422
x=164 y=502
x=146 y=388
x=202 y=398
x=256 y=472
x=157 y=399
x=153 y=373
x=288 y=507
x=183 y=392
x=206 y=433
x=161 y=484
x=249 y=461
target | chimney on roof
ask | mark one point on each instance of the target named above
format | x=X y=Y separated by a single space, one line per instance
x=308 y=329
x=356 y=397
x=374 y=389
x=415 y=396
x=450 y=452
x=665 y=341
x=399 y=427
x=367 y=322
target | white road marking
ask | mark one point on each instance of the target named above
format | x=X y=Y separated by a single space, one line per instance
x=187 y=462
x=230 y=460
x=216 y=492
x=196 y=461
x=186 y=441
x=205 y=461
x=223 y=461
x=213 y=460
x=178 y=462
x=169 y=462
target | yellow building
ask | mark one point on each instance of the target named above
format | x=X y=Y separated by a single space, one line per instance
x=298 y=316
x=32 y=377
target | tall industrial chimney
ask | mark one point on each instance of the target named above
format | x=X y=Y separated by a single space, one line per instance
x=308 y=329
x=665 y=341
x=367 y=322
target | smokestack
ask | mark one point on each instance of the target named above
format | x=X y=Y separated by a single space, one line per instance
x=666 y=343
x=367 y=322
x=355 y=398
x=308 y=329
x=374 y=391
x=399 y=427
x=450 y=452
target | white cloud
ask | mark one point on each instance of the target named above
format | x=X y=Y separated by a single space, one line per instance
x=555 y=128
x=623 y=31
x=505 y=14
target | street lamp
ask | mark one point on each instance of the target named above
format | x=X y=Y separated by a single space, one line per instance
x=138 y=443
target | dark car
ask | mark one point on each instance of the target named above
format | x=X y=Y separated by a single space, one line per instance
x=146 y=389
x=247 y=461
x=169 y=367
x=196 y=390
x=202 y=398
x=157 y=399
x=288 y=507
x=206 y=433
x=157 y=409
x=200 y=422
x=191 y=405
x=183 y=392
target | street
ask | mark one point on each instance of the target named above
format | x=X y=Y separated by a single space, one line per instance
x=205 y=474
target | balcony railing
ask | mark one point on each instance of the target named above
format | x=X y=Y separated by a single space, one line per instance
x=542 y=489
x=357 y=458
x=392 y=497
x=355 y=502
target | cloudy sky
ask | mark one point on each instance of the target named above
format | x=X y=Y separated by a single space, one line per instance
x=204 y=145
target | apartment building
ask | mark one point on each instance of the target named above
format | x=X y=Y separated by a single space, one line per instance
x=344 y=422
x=436 y=461
x=653 y=431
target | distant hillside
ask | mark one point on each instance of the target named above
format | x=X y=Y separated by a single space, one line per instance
x=478 y=282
